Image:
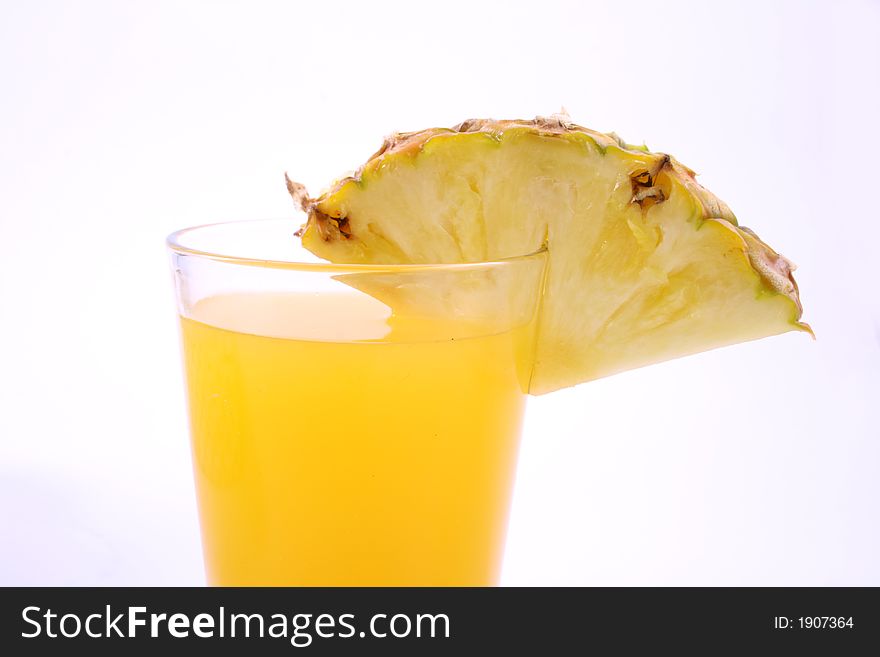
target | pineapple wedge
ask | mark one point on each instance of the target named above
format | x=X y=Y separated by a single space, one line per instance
x=645 y=264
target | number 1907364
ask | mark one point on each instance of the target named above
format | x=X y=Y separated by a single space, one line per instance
x=825 y=622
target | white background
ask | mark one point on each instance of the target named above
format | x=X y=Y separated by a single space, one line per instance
x=119 y=122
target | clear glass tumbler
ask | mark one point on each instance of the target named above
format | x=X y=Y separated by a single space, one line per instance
x=351 y=424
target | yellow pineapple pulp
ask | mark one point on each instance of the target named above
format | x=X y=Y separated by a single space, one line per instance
x=644 y=263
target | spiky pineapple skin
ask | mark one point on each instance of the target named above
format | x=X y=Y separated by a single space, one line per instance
x=333 y=231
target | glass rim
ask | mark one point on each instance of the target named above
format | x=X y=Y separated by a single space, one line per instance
x=175 y=244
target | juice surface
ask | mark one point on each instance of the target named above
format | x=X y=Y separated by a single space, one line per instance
x=334 y=444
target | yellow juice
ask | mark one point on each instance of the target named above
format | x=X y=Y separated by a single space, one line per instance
x=334 y=444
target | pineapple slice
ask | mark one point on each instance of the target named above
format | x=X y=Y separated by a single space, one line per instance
x=645 y=264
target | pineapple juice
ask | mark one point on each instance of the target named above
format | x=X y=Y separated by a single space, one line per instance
x=336 y=444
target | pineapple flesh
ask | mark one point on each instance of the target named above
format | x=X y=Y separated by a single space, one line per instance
x=645 y=265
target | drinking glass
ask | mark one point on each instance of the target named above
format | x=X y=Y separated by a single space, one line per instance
x=351 y=424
